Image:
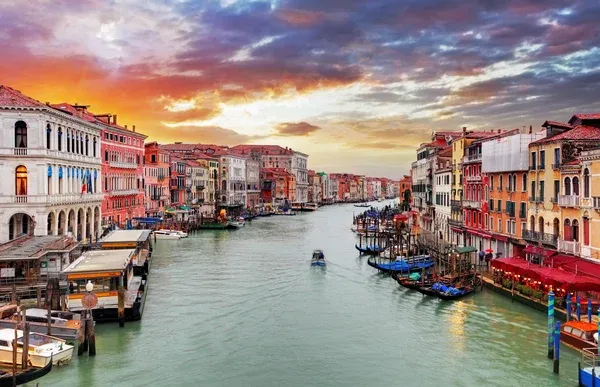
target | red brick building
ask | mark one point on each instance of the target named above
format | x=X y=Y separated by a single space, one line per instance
x=156 y=176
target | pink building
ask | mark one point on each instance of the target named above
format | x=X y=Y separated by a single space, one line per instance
x=122 y=153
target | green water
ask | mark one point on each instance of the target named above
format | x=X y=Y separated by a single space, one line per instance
x=243 y=308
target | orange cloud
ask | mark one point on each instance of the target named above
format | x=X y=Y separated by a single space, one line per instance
x=295 y=129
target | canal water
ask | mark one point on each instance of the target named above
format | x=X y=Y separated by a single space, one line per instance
x=243 y=308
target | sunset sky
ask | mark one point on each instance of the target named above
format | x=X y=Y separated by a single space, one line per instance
x=355 y=84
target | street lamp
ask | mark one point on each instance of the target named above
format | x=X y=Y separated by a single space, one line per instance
x=89 y=286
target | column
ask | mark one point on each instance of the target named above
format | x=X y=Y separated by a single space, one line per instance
x=55 y=224
x=92 y=228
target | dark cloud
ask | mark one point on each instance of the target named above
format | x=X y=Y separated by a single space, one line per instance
x=295 y=129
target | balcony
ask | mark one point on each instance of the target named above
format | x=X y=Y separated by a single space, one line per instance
x=545 y=238
x=32 y=152
x=455 y=223
x=124 y=192
x=199 y=187
x=568 y=200
x=473 y=178
x=52 y=199
x=556 y=166
x=570 y=247
x=472 y=158
x=162 y=177
x=154 y=197
x=472 y=204
x=120 y=164
x=455 y=204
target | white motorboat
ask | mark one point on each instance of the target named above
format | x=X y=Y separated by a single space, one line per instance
x=42 y=348
x=166 y=234
x=180 y=233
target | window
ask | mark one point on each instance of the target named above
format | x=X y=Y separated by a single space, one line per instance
x=542 y=183
x=524 y=178
x=499 y=208
x=492 y=183
x=508 y=226
x=491 y=223
x=499 y=225
x=556 y=157
x=556 y=190
x=48 y=136
x=87 y=145
x=491 y=204
x=575 y=186
x=20 y=134
x=105 y=156
x=586 y=183
x=94 y=147
x=523 y=211
x=542 y=159
x=21 y=180
x=500 y=183
x=567 y=185
x=59 y=138
x=533 y=190
x=533 y=164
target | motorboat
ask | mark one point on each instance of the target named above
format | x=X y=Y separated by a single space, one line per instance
x=379 y=199
x=362 y=205
x=579 y=334
x=65 y=325
x=318 y=258
x=42 y=348
x=178 y=232
x=309 y=207
x=166 y=234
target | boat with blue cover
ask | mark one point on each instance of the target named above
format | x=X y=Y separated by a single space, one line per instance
x=371 y=250
x=458 y=291
x=403 y=265
x=318 y=259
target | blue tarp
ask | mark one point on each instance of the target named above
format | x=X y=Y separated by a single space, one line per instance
x=404 y=266
x=147 y=220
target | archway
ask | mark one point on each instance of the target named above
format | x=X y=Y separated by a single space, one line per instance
x=97 y=224
x=556 y=227
x=71 y=222
x=61 y=222
x=50 y=226
x=541 y=225
x=19 y=224
x=80 y=223
x=88 y=224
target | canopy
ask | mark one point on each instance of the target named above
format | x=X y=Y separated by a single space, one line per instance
x=557 y=276
x=531 y=249
x=465 y=250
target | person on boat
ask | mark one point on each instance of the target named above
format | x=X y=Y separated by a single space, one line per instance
x=321 y=255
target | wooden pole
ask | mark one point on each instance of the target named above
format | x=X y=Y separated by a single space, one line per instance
x=13 y=299
x=49 y=318
x=25 y=354
x=39 y=297
x=81 y=336
x=14 y=358
x=121 y=306
x=91 y=336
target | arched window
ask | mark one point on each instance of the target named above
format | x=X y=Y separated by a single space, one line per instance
x=59 y=138
x=21 y=180
x=81 y=143
x=541 y=224
x=48 y=136
x=94 y=147
x=524 y=178
x=87 y=145
x=500 y=184
x=492 y=183
x=68 y=140
x=76 y=145
x=575 y=228
x=73 y=143
x=515 y=182
x=586 y=183
x=20 y=134
x=532 y=223
x=575 y=185
x=567 y=185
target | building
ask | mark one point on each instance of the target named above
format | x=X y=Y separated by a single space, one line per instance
x=51 y=160
x=253 y=190
x=506 y=166
x=232 y=179
x=586 y=241
x=156 y=175
x=206 y=178
x=123 y=171
x=300 y=170
x=278 y=185
x=326 y=195
x=178 y=181
x=443 y=191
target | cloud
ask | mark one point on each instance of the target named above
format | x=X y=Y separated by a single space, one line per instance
x=295 y=129
x=204 y=134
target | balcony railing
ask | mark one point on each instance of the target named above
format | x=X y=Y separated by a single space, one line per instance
x=536 y=236
x=473 y=178
x=541 y=167
x=124 y=192
x=199 y=187
x=53 y=199
x=570 y=247
x=568 y=200
x=556 y=165
x=48 y=153
x=472 y=203
x=456 y=204
x=455 y=223
x=120 y=164
x=472 y=158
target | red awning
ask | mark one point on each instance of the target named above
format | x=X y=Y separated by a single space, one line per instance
x=576 y=265
x=531 y=249
x=500 y=238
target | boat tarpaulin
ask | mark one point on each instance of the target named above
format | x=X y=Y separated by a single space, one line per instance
x=149 y=220
x=465 y=250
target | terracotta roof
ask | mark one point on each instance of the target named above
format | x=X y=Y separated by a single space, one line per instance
x=263 y=149
x=70 y=109
x=557 y=124
x=179 y=147
x=592 y=116
x=578 y=133
x=14 y=98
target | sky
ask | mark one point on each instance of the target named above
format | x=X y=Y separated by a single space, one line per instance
x=357 y=85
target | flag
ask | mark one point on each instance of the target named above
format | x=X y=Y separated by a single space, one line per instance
x=89 y=183
x=83 y=185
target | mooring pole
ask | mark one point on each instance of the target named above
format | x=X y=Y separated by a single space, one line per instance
x=551 y=325
x=568 y=303
x=578 y=300
x=556 y=347
x=589 y=310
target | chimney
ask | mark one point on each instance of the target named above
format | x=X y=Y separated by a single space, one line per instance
x=464 y=130
x=125 y=126
x=499 y=130
x=530 y=129
x=134 y=128
x=115 y=119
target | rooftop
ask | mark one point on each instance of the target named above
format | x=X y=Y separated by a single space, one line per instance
x=34 y=247
x=14 y=98
x=578 y=133
x=100 y=260
x=125 y=236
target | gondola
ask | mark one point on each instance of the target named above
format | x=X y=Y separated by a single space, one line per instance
x=452 y=293
x=411 y=282
x=6 y=378
x=416 y=263
x=363 y=250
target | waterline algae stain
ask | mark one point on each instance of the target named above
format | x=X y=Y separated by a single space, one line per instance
x=245 y=309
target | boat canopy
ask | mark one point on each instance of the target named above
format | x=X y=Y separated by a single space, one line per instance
x=465 y=250
x=565 y=273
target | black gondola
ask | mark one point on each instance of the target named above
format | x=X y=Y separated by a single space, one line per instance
x=362 y=250
x=464 y=290
x=6 y=378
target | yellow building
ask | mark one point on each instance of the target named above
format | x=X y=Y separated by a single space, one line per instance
x=558 y=205
x=589 y=202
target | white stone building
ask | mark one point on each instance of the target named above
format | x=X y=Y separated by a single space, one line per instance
x=442 y=193
x=49 y=188
x=300 y=170
x=233 y=179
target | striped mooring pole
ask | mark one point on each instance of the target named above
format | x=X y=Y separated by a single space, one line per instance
x=556 y=347
x=568 y=302
x=551 y=325
x=578 y=307
x=589 y=310
x=598 y=357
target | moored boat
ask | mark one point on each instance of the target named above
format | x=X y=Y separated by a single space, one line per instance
x=450 y=293
x=416 y=263
x=166 y=234
x=64 y=325
x=43 y=349
x=579 y=334
x=176 y=232
x=25 y=376
x=318 y=258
